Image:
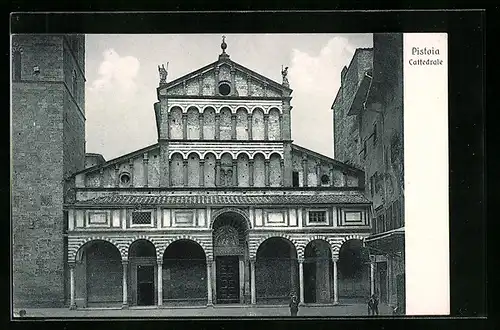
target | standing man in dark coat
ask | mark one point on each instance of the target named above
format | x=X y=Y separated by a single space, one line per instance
x=294 y=304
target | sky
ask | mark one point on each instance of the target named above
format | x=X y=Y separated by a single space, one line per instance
x=122 y=77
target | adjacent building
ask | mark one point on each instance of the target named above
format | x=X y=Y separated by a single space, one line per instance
x=223 y=209
x=368 y=125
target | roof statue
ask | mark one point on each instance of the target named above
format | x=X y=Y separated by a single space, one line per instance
x=284 y=73
x=163 y=73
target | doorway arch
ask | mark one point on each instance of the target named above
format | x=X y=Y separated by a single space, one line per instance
x=231 y=257
x=318 y=272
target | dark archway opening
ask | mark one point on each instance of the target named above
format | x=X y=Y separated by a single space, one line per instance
x=318 y=272
x=142 y=273
x=103 y=275
x=276 y=271
x=184 y=273
x=354 y=271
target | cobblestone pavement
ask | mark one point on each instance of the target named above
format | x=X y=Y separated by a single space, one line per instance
x=217 y=311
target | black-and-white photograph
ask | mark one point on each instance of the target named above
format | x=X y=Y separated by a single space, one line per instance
x=207 y=175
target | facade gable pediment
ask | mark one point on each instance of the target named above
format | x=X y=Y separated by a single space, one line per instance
x=205 y=82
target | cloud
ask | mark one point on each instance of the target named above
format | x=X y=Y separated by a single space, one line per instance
x=116 y=73
x=317 y=80
x=114 y=107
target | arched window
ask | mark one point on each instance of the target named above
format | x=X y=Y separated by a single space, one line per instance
x=16 y=67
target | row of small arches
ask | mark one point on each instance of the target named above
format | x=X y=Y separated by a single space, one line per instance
x=225 y=154
x=232 y=109
x=124 y=249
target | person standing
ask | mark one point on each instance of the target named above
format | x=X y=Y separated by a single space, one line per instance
x=373 y=305
x=294 y=304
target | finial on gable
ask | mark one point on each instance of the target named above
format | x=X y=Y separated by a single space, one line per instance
x=223 y=45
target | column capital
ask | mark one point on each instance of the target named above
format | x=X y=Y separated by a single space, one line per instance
x=251 y=161
x=200 y=115
x=185 y=161
x=159 y=262
x=335 y=259
x=71 y=264
x=217 y=161
x=124 y=262
x=184 y=115
x=266 y=116
x=202 y=161
x=300 y=260
x=372 y=258
x=210 y=260
x=266 y=161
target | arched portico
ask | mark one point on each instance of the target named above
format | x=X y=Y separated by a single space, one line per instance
x=353 y=271
x=276 y=271
x=318 y=271
x=97 y=276
x=184 y=273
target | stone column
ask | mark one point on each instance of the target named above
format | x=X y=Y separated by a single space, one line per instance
x=332 y=177
x=266 y=172
x=124 y=284
x=117 y=176
x=185 y=172
x=72 y=304
x=217 y=173
x=233 y=81
x=266 y=126
x=214 y=281
x=249 y=125
x=202 y=172
x=335 y=282
x=242 y=279
x=305 y=171
x=281 y=126
x=233 y=126
x=216 y=85
x=170 y=172
x=217 y=126
x=282 y=169
x=184 y=126
x=101 y=177
x=145 y=165
x=301 y=280
x=372 y=275
x=250 y=172
x=318 y=175
x=389 y=279
x=131 y=168
x=201 y=124
x=235 y=173
x=252 y=281
x=160 y=282
x=209 y=283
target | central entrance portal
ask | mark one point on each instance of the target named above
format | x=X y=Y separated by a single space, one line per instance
x=145 y=285
x=228 y=286
x=231 y=282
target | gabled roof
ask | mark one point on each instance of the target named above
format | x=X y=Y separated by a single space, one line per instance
x=236 y=65
x=118 y=159
x=326 y=158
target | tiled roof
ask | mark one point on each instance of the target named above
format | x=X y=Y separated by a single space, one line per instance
x=225 y=199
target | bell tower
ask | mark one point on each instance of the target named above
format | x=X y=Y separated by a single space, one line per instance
x=48 y=146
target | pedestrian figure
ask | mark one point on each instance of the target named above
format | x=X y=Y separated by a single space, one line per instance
x=373 y=305
x=294 y=304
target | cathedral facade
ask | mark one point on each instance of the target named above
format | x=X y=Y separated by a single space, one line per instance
x=223 y=209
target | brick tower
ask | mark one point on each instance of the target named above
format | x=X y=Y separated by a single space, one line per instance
x=48 y=146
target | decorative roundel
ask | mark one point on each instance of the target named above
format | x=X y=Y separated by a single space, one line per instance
x=325 y=179
x=224 y=89
x=125 y=178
